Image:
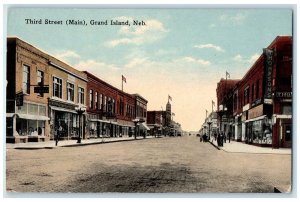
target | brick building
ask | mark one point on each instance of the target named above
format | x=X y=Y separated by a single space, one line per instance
x=155 y=122
x=110 y=110
x=259 y=106
x=26 y=111
x=224 y=104
x=34 y=116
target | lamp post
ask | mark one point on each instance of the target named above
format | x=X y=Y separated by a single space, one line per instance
x=209 y=122
x=135 y=121
x=80 y=110
x=221 y=112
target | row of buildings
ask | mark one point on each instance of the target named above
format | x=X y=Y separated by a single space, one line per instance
x=44 y=93
x=257 y=109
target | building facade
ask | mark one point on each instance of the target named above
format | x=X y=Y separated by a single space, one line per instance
x=26 y=112
x=259 y=106
x=110 y=111
x=155 y=122
x=35 y=114
x=67 y=93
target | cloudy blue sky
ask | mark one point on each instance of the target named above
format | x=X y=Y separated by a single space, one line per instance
x=180 y=52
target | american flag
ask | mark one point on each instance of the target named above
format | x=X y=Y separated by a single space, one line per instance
x=123 y=78
x=227 y=75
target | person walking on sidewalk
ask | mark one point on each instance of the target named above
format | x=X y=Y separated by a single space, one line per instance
x=221 y=139
x=58 y=133
x=224 y=136
x=229 y=136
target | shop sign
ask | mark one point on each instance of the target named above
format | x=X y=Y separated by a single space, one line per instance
x=256 y=102
x=41 y=89
x=19 y=99
x=61 y=105
x=269 y=54
x=283 y=94
x=256 y=112
x=244 y=116
x=268 y=101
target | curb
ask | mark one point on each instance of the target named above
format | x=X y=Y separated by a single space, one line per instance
x=214 y=145
x=79 y=144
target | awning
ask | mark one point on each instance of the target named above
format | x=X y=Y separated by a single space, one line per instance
x=10 y=114
x=33 y=117
x=255 y=119
x=145 y=126
x=62 y=109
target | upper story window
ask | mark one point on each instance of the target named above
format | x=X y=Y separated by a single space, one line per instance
x=253 y=92
x=57 y=87
x=104 y=104
x=96 y=100
x=70 y=91
x=91 y=99
x=257 y=89
x=246 y=96
x=101 y=100
x=40 y=80
x=80 y=95
x=26 y=79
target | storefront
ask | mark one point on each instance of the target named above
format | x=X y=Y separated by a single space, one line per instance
x=64 y=114
x=28 y=124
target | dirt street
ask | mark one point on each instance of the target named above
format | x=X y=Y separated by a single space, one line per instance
x=161 y=165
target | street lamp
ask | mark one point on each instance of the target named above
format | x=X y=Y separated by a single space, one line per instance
x=135 y=121
x=209 y=122
x=80 y=110
x=221 y=112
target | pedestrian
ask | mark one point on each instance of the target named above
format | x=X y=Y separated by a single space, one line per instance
x=229 y=136
x=58 y=133
x=221 y=139
x=224 y=138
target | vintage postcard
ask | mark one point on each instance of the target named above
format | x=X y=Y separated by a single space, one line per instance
x=141 y=100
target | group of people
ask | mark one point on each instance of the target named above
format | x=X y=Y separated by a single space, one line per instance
x=220 y=137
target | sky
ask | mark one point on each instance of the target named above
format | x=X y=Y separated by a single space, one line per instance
x=178 y=52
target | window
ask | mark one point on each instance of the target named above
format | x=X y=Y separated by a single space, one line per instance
x=57 y=87
x=91 y=99
x=101 y=101
x=70 y=91
x=80 y=95
x=246 y=96
x=252 y=95
x=96 y=100
x=40 y=80
x=26 y=80
x=257 y=89
x=104 y=104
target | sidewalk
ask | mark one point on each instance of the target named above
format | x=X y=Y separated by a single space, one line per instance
x=239 y=147
x=70 y=143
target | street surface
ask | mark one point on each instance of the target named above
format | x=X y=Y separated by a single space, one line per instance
x=158 y=165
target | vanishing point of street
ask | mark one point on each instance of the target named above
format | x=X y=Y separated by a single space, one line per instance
x=158 y=165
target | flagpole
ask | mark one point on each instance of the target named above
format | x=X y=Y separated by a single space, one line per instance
x=122 y=84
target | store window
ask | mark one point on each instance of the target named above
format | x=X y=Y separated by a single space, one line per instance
x=70 y=92
x=26 y=79
x=33 y=109
x=57 y=87
x=80 y=95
